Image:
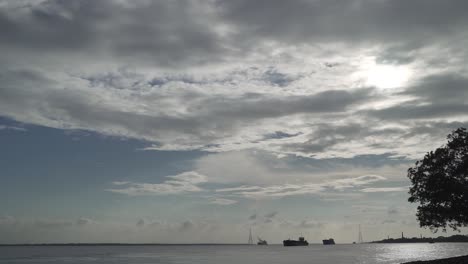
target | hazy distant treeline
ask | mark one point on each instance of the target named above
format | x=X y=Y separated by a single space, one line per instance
x=454 y=238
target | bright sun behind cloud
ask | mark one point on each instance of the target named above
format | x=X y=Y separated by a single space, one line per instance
x=387 y=76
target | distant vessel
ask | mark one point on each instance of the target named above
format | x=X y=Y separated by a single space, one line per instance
x=328 y=241
x=262 y=242
x=292 y=243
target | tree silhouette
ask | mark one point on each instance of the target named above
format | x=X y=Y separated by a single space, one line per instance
x=440 y=184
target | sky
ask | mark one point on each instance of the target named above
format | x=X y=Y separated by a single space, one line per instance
x=193 y=121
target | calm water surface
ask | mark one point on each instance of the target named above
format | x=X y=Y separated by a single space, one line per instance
x=227 y=254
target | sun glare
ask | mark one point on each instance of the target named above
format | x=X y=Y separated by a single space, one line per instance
x=387 y=76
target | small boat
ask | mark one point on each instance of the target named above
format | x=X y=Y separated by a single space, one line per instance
x=328 y=241
x=293 y=243
x=262 y=242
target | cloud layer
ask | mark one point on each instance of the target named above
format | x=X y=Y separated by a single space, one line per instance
x=176 y=184
x=222 y=75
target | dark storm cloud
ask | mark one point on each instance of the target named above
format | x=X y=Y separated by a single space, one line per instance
x=175 y=32
x=358 y=21
x=414 y=111
x=436 y=96
x=162 y=31
x=254 y=106
x=441 y=88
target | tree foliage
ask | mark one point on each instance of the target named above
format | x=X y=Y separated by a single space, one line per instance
x=440 y=184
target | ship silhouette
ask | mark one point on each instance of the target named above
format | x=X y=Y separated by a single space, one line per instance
x=328 y=241
x=293 y=243
x=262 y=242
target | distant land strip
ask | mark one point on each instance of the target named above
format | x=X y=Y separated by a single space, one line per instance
x=440 y=239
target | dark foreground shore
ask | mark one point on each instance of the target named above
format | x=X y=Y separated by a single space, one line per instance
x=455 y=260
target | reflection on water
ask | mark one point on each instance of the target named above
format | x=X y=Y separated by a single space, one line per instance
x=318 y=254
x=418 y=251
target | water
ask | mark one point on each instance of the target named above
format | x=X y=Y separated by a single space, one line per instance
x=230 y=254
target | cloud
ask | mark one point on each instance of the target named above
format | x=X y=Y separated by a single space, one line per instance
x=46 y=223
x=253 y=217
x=8 y=220
x=107 y=29
x=310 y=224
x=256 y=192
x=448 y=88
x=355 y=21
x=436 y=96
x=82 y=221
x=302 y=224
x=389 y=221
x=187 y=33
x=222 y=76
x=141 y=222
x=271 y=215
x=186 y=226
x=52 y=223
x=14 y=128
x=206 y=122
x=186 y=182
x=121 y=182
x=223 y=201
x=385 y=189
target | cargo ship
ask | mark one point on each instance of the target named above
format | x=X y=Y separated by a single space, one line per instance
x=262 y=242
x=293 y=243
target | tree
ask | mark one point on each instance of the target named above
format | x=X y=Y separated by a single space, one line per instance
x=440 y=184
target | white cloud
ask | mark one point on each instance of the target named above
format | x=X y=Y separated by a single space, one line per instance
x=248 y=169
x=186 y=182
x=8 y=220
x=15 y=128
x=121 y=182
x=386 y=189
x=223 y=201
x=83 y=221
x=277 y=191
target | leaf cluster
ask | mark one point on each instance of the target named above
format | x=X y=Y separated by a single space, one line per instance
x=440 y=184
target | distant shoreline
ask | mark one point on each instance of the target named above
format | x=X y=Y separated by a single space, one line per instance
x=440 y=239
